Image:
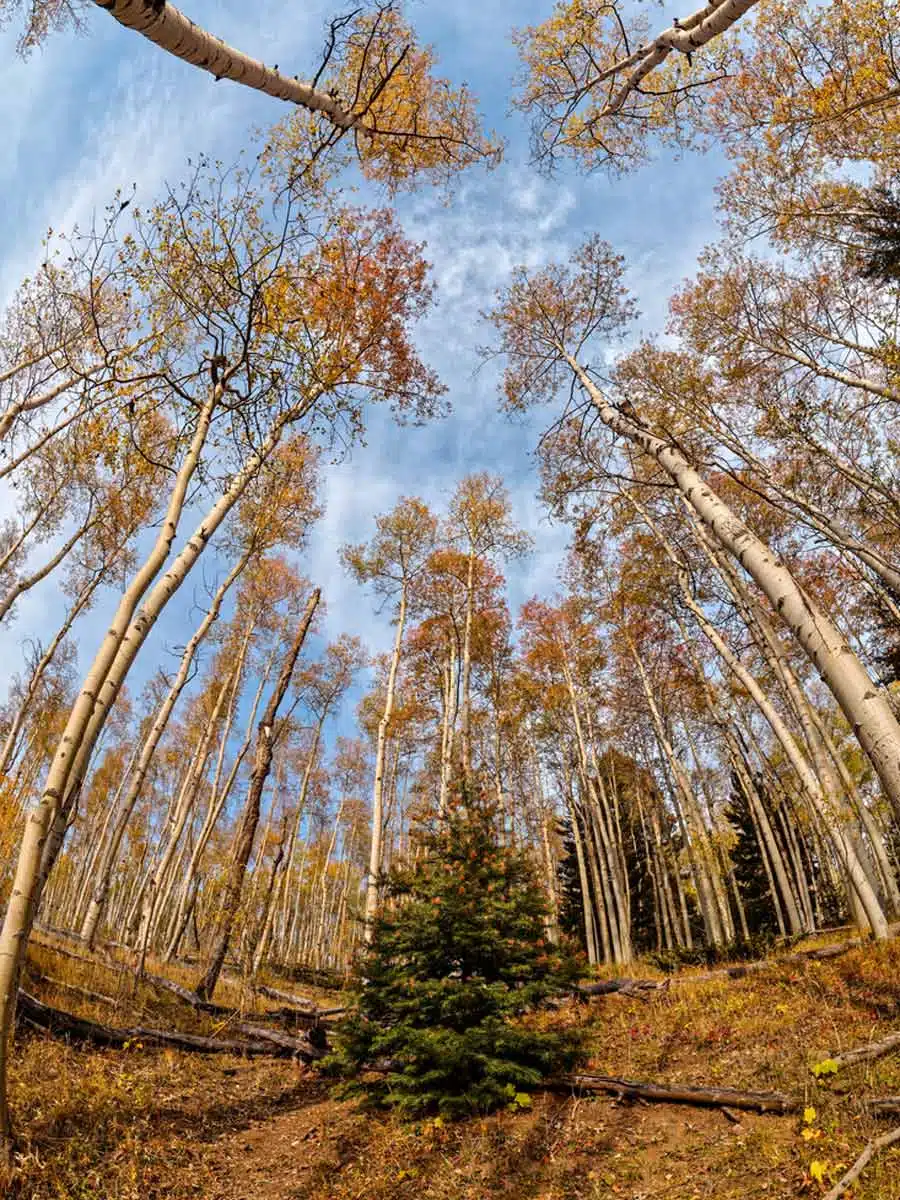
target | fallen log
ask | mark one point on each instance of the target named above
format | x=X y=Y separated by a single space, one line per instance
x=323 y=977
x=640 y=987
x=189 y=997
x=677 y=1093
x=105 y=964
x=884 y=1106
x=54 y=1020
x=314 y=1046
x=740 y=970
x=628 y=987
x=301 y=1002
x=878 y=1144
x=867 y=1053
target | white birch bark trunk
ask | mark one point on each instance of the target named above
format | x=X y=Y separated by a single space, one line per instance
x=98 y=899
x=376 y=852
x=466 y=718
x=867 y=710
x=170 y=30
x=691 y=34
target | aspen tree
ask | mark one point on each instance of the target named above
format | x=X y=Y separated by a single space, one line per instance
x=375 y=85
x=545 y=323
x=391 y=562
x=479 y=520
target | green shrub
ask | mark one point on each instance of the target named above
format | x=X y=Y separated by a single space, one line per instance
x=456 y=961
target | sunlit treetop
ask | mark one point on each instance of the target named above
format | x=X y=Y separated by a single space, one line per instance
x=404 y=121
x=791 y=89
x=559 y=312
x=602 y=85
x=375 y=91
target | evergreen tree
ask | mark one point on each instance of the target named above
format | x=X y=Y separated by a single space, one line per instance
x=455 y=962
x=749 y=868
x=571 y=905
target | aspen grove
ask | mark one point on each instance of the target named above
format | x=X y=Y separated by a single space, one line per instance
x=475 y=805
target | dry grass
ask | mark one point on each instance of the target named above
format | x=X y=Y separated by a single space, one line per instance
x=144 y=1124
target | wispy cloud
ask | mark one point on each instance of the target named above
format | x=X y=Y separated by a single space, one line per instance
x=89 y=115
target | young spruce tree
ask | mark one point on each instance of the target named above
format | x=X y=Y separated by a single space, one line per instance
x=459 y=955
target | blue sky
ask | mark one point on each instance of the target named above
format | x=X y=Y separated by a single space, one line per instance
x=86 y=115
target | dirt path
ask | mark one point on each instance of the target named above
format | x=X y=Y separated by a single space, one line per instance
x=563 y=1150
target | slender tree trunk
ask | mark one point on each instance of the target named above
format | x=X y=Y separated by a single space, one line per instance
x=246 y=832
x=376 y=852
x=98 y=899
x=269 y=906
x=466 y=720
x=587 y=905
x=867 y=710
x=448 y=721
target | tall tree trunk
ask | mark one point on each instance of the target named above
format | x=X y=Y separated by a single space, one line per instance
x=466 y=718
x=246 y=832
x=376 y=853
x=448 y=719
x=98 y=899
x=169 y=29
x=867 y=710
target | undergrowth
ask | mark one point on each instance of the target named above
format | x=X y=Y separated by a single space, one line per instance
x=145 y=1124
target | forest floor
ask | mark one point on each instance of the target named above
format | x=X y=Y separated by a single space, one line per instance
x=143 y=1123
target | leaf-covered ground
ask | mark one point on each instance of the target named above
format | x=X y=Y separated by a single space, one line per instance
x=146 y=1124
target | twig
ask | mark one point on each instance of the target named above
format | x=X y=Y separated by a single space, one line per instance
x=885 y=1106
x=873 y=1148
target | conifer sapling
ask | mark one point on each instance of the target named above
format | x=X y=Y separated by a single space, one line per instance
x=457 y=959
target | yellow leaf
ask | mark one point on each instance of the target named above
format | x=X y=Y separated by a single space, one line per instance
x=817 y=1171
x=809 y=1115
x=828 y=1066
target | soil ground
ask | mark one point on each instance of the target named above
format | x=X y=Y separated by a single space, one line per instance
x=148 y=1124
